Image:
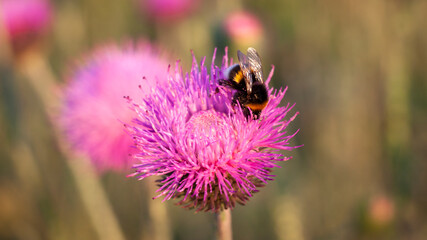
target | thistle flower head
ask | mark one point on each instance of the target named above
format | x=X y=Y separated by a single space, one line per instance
x=206 y=151
x=25 y=17
x=243 y=27
x=94 y=105
x=168 y=10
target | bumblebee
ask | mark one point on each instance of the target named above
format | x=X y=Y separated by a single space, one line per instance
x=247 y=79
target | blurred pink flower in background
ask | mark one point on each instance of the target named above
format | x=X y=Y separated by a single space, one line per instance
x=381 y=210
x=25 y=17
x=243 y=27
x=167 y=10
x=94 y=107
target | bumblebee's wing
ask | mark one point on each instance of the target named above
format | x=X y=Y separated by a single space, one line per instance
x=255 y=64
x=245 y=66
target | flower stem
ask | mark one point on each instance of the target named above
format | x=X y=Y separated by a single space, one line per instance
x=224 y=230
x=94 y=197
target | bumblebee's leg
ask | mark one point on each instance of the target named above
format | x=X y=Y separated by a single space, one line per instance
x=227 y=83
x=256 y=114
x=246 y=111
x=234 y=100
x=241 y=98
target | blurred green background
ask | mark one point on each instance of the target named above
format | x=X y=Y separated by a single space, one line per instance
x=357 y=71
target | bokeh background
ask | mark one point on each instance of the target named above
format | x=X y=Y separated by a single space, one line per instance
x=357 y=71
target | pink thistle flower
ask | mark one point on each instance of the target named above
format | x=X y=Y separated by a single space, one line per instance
x=243 y=27
x=168 y=10
x=25 y=17
x=206 y=151
x=93 y=107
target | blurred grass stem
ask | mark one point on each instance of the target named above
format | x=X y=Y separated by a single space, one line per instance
x=21 y=152
x=159 y=224
x=40 y=77
x=5 y=47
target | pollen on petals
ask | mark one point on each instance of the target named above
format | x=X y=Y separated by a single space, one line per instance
x=206 y=125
